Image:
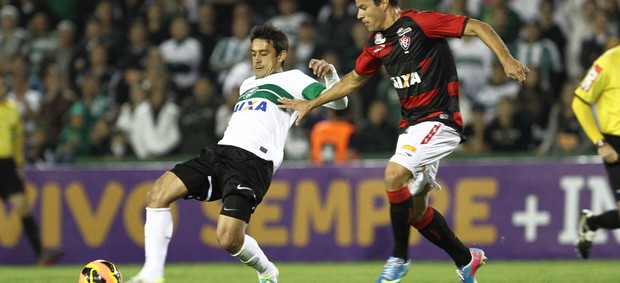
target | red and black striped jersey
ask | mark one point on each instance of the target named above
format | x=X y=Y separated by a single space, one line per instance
x=420 y=64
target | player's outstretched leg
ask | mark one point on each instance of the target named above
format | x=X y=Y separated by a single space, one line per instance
x=585 y=235
x=467 y=273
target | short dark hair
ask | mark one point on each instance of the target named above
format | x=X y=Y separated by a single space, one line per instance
x=272 y=34
x=393 y=3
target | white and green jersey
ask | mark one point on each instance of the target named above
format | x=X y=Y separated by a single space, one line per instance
x=257 y=124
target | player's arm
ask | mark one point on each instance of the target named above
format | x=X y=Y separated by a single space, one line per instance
x=583 y=112
x=322 y=69
x=349 y=83
x=512 y=67
x=590 y=89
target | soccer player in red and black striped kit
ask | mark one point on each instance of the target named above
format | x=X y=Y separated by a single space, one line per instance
x=412 y=46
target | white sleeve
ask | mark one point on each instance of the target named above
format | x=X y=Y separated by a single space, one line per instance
x=330 y=81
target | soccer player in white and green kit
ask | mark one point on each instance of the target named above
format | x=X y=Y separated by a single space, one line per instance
x=237 y=170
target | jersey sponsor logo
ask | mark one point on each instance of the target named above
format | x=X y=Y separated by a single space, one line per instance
x=405 y=81
x=402 y=31
x=406 y=150
x=379 y=39
x=591 y=77
x=255 y=104
x=405 y=42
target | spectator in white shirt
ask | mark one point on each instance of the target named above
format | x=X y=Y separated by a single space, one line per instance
x=182 y=55
x=155 y=130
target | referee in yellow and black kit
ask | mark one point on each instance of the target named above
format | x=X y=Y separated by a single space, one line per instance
x=601 y=88
x=11 y=174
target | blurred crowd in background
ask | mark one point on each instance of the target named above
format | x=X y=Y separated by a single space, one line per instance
x=146 y=79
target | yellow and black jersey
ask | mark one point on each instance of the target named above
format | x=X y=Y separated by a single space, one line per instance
x=601 y=88
x=11 y=136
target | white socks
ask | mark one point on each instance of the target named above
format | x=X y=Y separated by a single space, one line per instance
x=253 y=256
x=157 y=235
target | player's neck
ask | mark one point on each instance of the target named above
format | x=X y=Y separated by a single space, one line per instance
x=393 y=14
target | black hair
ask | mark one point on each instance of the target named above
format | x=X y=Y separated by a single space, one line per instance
x=272 y=34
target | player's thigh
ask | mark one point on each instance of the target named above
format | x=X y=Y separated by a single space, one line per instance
x=166 y=189
x=420 y=148
x=425 y=143
x=396 y=176
x=200 y=177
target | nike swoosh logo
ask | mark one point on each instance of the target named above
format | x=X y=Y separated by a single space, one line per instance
x=229 y=209
x=239 y=187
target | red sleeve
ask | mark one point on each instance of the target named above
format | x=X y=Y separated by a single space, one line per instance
x=437 y=25
x=366 y=63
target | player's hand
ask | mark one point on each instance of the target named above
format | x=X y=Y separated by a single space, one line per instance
x=516 y=71
x=608 y=153
x=302 y=107
x=320 y=68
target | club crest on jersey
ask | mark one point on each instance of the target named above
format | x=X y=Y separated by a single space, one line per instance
x=379 y=39
x=248 y=93
x=256 y=104
x=403 y=31
x=405 y=41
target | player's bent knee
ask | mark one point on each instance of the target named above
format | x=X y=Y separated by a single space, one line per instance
x=164 y=191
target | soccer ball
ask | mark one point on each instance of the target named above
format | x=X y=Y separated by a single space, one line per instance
x=100 y=271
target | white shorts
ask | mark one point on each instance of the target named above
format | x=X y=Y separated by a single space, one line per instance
x=420 y=148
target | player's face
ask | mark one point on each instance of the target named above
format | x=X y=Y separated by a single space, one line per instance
x=372 y=16
x=265 y=61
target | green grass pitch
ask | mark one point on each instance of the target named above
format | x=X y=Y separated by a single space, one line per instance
x=345 y=272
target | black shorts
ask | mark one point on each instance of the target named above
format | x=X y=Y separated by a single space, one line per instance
x=222 y=170
x=10 y=182
x=613 y=170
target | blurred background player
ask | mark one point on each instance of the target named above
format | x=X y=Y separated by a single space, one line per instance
x=601 y=88
x=12 y=175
